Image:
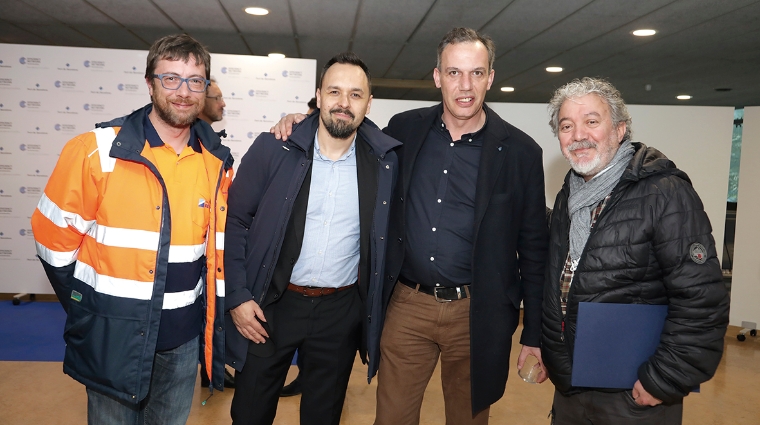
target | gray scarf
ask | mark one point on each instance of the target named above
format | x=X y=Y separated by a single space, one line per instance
x=585 y=195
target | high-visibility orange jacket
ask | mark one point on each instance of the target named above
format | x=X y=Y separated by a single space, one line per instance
x=103 y=232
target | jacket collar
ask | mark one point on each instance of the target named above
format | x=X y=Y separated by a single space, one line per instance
x=379 y=143
x=131 y=138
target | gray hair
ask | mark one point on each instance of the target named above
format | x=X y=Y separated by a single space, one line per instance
x=587 y=85
x=467 y=35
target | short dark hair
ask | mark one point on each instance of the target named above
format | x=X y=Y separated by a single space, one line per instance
x=312 y=103
x=348 y=58
x=466 y=35
x=177 y=47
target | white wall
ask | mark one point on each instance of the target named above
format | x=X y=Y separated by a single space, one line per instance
x=696 y=138
x=745 y=287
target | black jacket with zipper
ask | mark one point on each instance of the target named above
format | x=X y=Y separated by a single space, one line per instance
x=640 y=252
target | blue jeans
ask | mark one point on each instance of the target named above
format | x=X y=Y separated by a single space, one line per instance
x=169 y=397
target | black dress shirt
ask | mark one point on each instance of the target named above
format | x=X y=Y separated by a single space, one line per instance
x=441 y=209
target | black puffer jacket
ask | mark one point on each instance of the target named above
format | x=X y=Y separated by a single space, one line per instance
x=639 y=252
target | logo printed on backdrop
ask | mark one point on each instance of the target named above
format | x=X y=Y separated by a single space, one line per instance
x=266 y=77
x=65 y=84
x=37 y=174
x=134 y=70
x=66 y=128
x=229 y=70
x=28 y=61
x=34 y=191
x=94 y=64
x=68 y=111
x=6 y=82
x=36 y=87
x=5 y=108
x=128 y=88
x=5 y=195
x=4 y=65
x=4 y=236
x=94 y=107
x=5 y=125
x=31 y=104
x=67 y=67
x=99 y=90
x=292 y=74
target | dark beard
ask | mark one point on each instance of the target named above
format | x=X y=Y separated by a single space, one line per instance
x=170 y=117
x=340 y=129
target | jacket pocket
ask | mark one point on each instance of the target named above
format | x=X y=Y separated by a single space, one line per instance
x=103 y=350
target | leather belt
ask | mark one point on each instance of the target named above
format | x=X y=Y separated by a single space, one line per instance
x=316 y=291
x=442 y=294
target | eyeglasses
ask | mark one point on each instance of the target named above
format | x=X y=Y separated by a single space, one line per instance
x=174 y=82
x=217 y=98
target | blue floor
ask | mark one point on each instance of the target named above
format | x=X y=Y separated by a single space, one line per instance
x=31 y=331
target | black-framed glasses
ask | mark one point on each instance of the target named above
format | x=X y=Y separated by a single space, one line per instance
x=174 y=82
x=217 y=98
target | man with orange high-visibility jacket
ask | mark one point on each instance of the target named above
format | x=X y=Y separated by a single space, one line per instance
x=130 y=233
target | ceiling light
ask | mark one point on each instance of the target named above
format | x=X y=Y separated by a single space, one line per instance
x=276 y=56
x=644 y=33
x=554 y=69
x=683 y=97
x=507 y=89
x=258 y=11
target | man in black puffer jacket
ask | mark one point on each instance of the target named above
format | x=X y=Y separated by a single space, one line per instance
x=628 y=227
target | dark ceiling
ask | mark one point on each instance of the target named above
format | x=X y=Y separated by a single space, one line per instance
x=702 y=47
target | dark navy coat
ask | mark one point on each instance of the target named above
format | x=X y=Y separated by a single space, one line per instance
x=260 y=204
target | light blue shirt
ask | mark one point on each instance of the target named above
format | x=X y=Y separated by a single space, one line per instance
x=330 y=252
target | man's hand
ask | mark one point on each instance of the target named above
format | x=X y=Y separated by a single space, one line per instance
x=244 y=316
x=642 y=397
x=284 y=127
x=535 y=352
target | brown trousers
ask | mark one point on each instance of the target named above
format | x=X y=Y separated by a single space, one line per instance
x=418 y=330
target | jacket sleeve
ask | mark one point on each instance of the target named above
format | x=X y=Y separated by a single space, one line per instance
x=691 y=344
x=532 y=248
x=66 y=212
x=245 y=194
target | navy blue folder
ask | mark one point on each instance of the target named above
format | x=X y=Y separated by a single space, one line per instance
x=612 y=341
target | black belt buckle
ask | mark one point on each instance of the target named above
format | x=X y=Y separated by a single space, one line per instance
x=444 y=300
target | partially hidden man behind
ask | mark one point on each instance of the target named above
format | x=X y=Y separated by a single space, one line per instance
x=467 y=244
x=627 y=227
x=213 y=111
x=130 y=220
x=305 y=241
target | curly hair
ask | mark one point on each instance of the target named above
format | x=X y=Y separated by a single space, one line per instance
x=587 y=85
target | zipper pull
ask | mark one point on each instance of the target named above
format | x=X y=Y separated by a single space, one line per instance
x=562 y=334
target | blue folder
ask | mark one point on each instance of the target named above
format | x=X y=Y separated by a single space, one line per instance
x=612 y=341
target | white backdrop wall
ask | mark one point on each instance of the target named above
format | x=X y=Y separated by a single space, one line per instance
x=50 y=94
x=696 y=138
x=745 y=285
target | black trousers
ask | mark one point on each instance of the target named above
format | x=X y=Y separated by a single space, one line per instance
x=601 y=408
x=326 y=332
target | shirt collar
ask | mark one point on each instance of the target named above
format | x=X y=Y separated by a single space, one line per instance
x=154 y=140
x=318 y=154
x=476 y=136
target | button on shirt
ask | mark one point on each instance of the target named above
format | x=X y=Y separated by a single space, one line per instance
x=186 y=181
x=330 y=252
x=441 y=209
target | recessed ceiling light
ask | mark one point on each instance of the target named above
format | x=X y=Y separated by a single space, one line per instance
x=554 y=69
x=683 y=97
x=507 y=89
x=644 y=33
x=258 y=11
x=276 y=56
